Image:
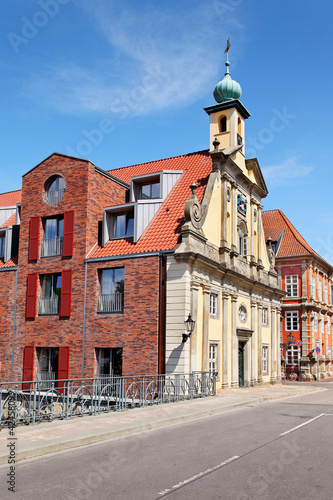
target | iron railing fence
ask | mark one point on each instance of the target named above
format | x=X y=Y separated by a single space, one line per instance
x=110 y=302
x=51 y=246
x=36 y=401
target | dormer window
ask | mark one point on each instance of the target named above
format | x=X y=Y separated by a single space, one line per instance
x=150 y=190
x=123 y=225
x=2 y=245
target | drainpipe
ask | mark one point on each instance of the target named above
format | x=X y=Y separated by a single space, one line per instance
x=84 y=318
x=14 y=322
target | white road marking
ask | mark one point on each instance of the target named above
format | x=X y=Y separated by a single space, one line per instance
x=302 y=425
x=201 y=474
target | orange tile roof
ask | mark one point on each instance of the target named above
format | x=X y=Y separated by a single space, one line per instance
x=10 y=199
x=163 y=231
x=292 y=243
x=9 y=222
x=10 y=263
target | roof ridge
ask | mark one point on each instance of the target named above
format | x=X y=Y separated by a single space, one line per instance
x=296 y=233
x=160 y=159
x=14 y=191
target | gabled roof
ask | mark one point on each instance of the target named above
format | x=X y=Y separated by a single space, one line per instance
x=292 y=243
x=10 y=199
x=163 y=231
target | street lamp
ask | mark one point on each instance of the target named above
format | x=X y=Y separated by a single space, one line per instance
x=189 y=325
x=290 y=338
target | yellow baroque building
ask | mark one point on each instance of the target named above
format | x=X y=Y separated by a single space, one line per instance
x=222 y=272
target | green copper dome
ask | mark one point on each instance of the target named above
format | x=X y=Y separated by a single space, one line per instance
x=227 y=89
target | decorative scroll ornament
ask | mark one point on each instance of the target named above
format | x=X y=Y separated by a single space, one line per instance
x=194 y=212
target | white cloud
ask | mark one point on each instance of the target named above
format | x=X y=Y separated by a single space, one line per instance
x=286 y=173
x=158 y=57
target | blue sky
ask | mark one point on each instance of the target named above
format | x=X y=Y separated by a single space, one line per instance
x=126 y=82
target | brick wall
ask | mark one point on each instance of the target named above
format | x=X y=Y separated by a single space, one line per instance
x=135 y=330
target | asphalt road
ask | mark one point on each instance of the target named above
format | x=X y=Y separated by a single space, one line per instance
x=277 y=450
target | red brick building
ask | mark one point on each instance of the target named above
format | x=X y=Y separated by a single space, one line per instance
x=307 y=306
x=72 y=304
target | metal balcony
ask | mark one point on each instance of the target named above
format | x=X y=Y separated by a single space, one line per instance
x=112 y=303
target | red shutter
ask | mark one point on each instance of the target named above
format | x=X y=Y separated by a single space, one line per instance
x=63 y=366
x=68 y=239
x=30 y=311
x=33 y=238
x=28 y=366
x=66 y=292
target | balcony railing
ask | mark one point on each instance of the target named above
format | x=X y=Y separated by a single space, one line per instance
x=110 y=303
x=46 y=379
x=51 y=246
x=49 y=305
x=52 y=197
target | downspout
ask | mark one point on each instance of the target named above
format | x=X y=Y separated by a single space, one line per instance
x=84 y=318
x=14 y=323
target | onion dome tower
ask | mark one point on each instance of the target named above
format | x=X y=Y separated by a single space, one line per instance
x=227 y=128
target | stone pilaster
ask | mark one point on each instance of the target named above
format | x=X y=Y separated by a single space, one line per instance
x=253 y=343
x=205 y=330
x=225 y=339
x=273 y=345
x=279 y=340
x=234 y=343
x=194 y=314
x=224 y=202
x=234 y=236
x=260 y=378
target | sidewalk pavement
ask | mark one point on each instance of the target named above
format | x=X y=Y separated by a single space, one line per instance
x=48 y=437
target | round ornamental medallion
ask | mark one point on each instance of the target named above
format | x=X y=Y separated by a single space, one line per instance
x=242 y=313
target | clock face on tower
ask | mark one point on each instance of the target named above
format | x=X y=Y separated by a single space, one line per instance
x=242 y=313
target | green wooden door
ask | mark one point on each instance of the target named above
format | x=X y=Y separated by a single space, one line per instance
x=241 y=346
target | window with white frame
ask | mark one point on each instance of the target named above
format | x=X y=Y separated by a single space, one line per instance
x=326 y=327
x=320 y=291
x=326 y=293
x=313 y=286
x=291 y=285
x=265 y=359
x=329 y=351
x=291 y=321
x=265 y=316
x=293 y=355
x=321 y=323
x=213 y=304
x=315 y=321
x=213 y=358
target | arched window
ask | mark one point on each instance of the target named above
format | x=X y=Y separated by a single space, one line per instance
x=244 y=241
x=54 y=189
